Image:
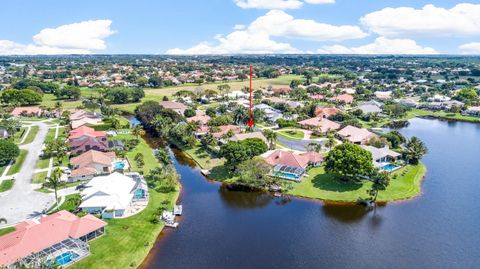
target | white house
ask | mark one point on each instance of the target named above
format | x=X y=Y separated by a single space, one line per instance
x=111 y=195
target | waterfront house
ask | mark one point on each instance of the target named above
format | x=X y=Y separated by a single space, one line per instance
x=382 y=156
x=85 y=138
x=175 y=106
x=225 y=129
x=60 y=237
x=113 y=194
x=472 y=111
x=100 y=162
x=319 y=124
x=356 y=135
x=290 y=165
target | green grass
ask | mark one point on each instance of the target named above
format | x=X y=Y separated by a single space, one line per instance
x=7 y=230
x=43 y=190
x=319 y=185
x=17 y=165
x=6 y=185
x=31 y=135
x=127 y=241
x=42 y=163
x=291 y=134
x=39 y=177
x=72 y=201
x=142 y=147
x=201 y=156
x=17 y=138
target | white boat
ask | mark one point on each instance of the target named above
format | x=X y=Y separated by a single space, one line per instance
x=177 y=210
x=171 y=224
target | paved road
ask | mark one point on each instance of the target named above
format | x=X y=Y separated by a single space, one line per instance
x=22 y=202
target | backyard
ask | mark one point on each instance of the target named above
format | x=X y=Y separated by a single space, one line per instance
x=319 y=185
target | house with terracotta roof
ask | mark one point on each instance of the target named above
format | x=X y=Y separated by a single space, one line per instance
x=224 y=129
x=27 y=111
x=91 y=163
x=85 y=138
x=290 y=165
x=175 y=106
x=326 y=112
x=240 y=137
x=202 y=119
x=60 y=238
x=356 y=135
x=343 y=98
x=319 y=124
x=113 y=195
x=284 y=90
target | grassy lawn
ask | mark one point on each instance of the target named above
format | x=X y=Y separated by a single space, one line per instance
x=291 y=134
x=6 y=185
x=127 y=241
x=17 y=138
x=319 y=185
x=7 y=230
x=142 y=147
x=39 y=177
x=42 y=163
x=202 y=157
x=17 y=165
x=31 y=135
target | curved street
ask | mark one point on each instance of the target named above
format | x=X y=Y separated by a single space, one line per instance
x=22 y=201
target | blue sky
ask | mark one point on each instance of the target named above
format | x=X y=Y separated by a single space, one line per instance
x=263 y=26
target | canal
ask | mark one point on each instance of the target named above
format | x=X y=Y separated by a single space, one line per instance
x=440 y=229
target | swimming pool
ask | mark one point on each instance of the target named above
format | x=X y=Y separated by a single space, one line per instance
x=390 y=167
x=118 y=165
x=285 y=175
x=65 y=258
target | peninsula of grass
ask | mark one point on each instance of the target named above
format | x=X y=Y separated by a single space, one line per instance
x=127 y=241
x=203 y=158
x=6 y=185
x=31 y=135
x=291 y=134
x=15 y=168
x=405 y=183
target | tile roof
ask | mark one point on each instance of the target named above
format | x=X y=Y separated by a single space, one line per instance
x=93 y=156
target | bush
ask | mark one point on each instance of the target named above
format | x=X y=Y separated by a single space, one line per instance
x=8 y=151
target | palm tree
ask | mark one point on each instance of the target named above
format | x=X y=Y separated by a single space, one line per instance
x=313 y=146
x=162 y=156
x=54 y=182
x=415 y=149
x=331 y=142
x=271 y=137
x=115 y=123
x=380 y=182
x=240 y=115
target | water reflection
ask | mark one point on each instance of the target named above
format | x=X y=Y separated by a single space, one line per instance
x=244 y=200
x=346 y=213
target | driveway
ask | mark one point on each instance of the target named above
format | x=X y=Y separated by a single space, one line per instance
x=22 y=202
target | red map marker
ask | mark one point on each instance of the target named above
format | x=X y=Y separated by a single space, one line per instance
x=250 y=122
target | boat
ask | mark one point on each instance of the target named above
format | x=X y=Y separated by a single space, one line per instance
x=177 y=210
x=171 y=224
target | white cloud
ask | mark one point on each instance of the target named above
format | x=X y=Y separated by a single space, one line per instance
x=239 y=27
x=278 y=4
x=381 y=45
x=317 y=2
x=257 y=37
x=461 y=20
x=471 y=48
x=77 y=38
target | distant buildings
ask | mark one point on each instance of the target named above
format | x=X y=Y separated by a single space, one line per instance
x=175 y=106
x=27 y=111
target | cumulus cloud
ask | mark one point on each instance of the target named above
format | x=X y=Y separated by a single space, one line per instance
x=76 y=38
x=381 y=45
x=278 y=4
x=461 y=20
x=257 y=37
x=470 y=48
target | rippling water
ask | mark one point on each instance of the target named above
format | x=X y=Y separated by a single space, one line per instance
x=440 y=229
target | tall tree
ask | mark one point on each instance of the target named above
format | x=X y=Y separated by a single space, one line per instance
x=54 y=182
x=415 y=149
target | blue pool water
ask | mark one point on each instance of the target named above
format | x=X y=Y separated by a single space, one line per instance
x=390 y=167
x=118 y=165
x=65 y=258
x=285 y=175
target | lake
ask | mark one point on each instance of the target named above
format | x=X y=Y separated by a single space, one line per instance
x=439 y=229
